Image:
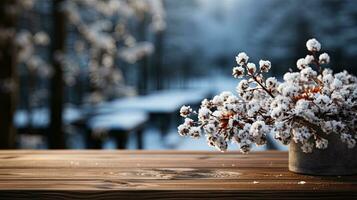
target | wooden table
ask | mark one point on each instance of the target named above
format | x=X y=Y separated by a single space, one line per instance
x=163 y=106
x=96 y=174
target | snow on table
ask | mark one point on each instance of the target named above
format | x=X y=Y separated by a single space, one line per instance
x=119 y=120
x=158 y=102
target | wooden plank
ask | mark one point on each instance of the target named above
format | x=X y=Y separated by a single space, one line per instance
x=90 y=174
x=179 y=185
x=173 y=195
x=160 y=174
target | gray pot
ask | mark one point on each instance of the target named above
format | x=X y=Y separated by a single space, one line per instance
x=337 y=159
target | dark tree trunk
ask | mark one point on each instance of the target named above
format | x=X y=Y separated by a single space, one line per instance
x=56 y=134
x=144 y=62
x=158 y=59
x=8 y=75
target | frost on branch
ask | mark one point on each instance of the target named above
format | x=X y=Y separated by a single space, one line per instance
x=306 y=107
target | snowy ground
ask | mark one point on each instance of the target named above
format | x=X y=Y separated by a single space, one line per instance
x=154 y=141
x=152 y=137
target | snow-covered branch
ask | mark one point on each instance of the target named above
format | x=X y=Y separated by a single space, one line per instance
x=304 y=108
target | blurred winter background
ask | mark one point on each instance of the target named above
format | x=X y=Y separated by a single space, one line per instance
x=114 y=73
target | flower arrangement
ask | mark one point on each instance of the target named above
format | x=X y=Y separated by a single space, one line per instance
x=304 y=108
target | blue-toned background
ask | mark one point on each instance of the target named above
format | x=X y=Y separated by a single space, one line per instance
x=166 y=53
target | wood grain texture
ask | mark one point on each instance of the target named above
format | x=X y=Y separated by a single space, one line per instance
x=91 y=174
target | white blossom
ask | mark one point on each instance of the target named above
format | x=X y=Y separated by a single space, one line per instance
x=301 y=63
x=264 y=65
x=307 y=147
x=218 y=114
x=247 y=96
x=204 y=114
x=307 y=74
x=322 y=100
x=328 y=79
x=242 y=86
x=183 y=129
x=195 y=132
x=313 y=45
x=238 y=72
x=347 y=138
x=242 y=58
x=251 y=68
x=245 y=145
x=289 y=90
x=301 y=135
x=218 y=100
x=282 y=132
x=271 y=82
x=259 y=131
x=336 y=84
x=254 y=107
x=302 y=106
x=232 y=100
x=291 y=77
x=205 y=103
x=277 y=112
x=221 y=144
x=185 y=111
x=324 y=58
x=309 y=59
x=321 y=143
x=210 y=128
x=225 y=95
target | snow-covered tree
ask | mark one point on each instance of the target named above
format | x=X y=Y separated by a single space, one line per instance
x=105 y=38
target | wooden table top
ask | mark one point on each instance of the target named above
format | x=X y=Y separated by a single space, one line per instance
x=99 y=174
